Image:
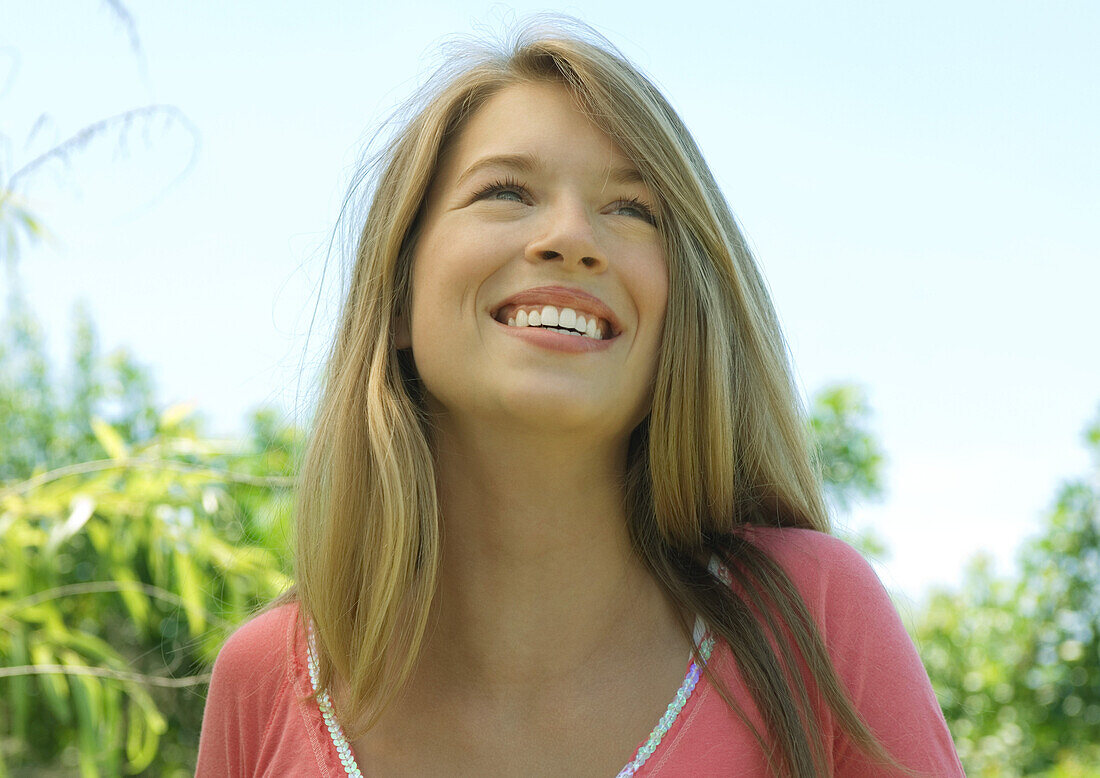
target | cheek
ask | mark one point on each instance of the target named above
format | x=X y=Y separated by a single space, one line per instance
x=453 y=258
x=652 y=284
x=449 y=267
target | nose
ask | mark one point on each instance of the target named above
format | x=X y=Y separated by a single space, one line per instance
x=567 y=234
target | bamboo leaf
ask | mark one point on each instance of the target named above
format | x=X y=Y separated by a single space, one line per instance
x=33 y=226
x=110 y=439
x=174 y=414
x=191 y=593
x=100 y=535
x=80 y=510
x=19 y=685
x=87 y=731
x=90 y=647
x=137 y=755
x=54 y=686
x=141 y=748
x=87 y=697
x=135 y=601
x=41 y=613
x=113 y=723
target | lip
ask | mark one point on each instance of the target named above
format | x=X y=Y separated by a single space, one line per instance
x=563 y=297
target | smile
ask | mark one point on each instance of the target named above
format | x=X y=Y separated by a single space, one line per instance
x=567 y=320
x=564 y=307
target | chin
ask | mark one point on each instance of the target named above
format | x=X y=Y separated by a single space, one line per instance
x=555 y=412
x=546 y=410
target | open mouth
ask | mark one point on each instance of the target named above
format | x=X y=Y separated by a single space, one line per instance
x=565 y=320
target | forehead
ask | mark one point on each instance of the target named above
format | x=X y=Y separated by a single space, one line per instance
x=535 y=125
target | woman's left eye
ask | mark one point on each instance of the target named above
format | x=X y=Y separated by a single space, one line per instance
x=641 y=210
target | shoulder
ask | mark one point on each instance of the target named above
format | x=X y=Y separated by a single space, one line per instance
x=835 y=581
x=869 y=647
x=263 y=634
x=814 y=560
x=249 y=686
x=258 y=644
x=254 y=661
x=797 y=542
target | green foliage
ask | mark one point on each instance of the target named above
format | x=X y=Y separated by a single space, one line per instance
x=1016 y=662
x=129 y=545
x=48 y=420
x=851 y=460
x=129 y=549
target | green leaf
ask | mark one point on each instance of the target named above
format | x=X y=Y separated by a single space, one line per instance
x=147 y=724
x=19 y=685
x=91 y=648
x=81 y=508
x=54 y=686
x=173 y=415
x=110 y=439
x=190 y=592
x=138 y=754
x=112 y=724
x=137 y=603
x=84 y=699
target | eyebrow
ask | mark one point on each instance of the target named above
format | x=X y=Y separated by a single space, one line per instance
x=529 y=163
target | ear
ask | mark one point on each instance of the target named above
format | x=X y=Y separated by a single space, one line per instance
x=402 y=337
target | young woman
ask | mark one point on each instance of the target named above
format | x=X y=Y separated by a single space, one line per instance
x=557 y=462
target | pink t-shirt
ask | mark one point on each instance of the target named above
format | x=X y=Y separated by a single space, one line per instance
x=257 y=722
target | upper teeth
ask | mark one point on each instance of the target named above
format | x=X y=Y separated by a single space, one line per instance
x=550 y=316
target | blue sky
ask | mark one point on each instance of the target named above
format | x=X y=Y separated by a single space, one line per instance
x=920 y=183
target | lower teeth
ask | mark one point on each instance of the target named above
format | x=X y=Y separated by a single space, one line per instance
x=569 y=332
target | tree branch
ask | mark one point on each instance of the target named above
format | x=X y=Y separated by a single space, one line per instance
x=103 y=672
x=137 y=463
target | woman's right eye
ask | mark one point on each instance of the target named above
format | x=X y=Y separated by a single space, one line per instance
x=502 y=190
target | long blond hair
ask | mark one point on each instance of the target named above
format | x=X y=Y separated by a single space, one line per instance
x=725 y=444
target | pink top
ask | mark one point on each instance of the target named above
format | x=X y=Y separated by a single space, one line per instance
x=257 y=722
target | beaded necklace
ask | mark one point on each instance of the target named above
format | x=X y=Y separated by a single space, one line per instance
x=703 y=640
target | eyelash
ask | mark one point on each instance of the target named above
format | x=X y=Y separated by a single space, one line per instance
x=512 y=185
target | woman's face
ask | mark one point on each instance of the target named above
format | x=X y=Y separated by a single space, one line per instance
x=534 y=210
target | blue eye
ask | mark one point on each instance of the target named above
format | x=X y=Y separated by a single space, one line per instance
x=508 y=187
x=641 y=210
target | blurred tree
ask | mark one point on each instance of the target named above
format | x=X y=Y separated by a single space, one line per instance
x=1016 y=661
x=129 y=546
x=48 y=420
x=128 y=552
x=851 y=459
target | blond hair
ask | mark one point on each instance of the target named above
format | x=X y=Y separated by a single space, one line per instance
x=725 y=444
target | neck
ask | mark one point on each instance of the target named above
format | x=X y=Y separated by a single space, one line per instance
x=537 y=577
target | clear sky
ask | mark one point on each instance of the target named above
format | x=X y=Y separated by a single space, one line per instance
x=920 y=183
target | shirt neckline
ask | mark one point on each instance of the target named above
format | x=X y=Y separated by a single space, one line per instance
x=704 y=642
